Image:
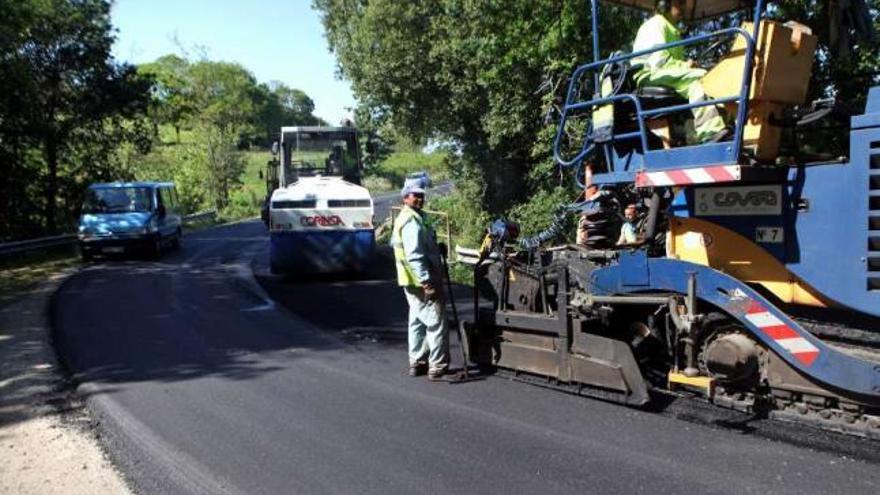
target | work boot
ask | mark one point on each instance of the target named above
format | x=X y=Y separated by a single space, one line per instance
x=436 y=375
x=417 y=369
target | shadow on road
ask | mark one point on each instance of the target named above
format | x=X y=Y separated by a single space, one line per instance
x=191 y=314
x=198 y=313
x=368 y=308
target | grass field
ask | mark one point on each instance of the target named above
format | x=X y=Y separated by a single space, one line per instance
x=245 y=200
x=391 y=172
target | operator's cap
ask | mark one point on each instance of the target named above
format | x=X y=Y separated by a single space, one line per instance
x=414 y=188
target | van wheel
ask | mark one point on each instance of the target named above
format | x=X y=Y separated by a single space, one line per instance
x=178 y=240
x=156 y=248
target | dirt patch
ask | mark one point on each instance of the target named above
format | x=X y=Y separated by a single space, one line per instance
x=16 y=279
x=48 y=441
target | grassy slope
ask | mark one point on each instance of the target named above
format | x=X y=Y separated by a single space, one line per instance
x=390 y=173
x=246 y=199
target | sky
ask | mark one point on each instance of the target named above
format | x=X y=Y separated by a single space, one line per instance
x=279 y=40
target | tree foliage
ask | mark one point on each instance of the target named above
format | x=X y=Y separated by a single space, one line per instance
x=477 y=75
x=848 y=58
x=482 y=76
x=225 y=110
x=62 y=102
x=283 y=105
x=171 y=101
x=71 y=115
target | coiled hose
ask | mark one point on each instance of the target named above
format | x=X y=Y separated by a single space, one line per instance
x=556 y=227
x=599 y=221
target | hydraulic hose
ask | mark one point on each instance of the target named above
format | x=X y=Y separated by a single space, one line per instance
x=556 y=227
x=653 y=214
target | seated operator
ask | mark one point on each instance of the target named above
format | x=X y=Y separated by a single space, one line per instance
x=334 y=161
x=668 y=68
x=628 y=231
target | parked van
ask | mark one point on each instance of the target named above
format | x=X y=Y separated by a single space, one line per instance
x=125 y=217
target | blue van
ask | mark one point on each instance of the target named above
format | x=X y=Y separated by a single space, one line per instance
x=123 y=217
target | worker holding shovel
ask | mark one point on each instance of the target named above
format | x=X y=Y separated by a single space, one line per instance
x=420 y=272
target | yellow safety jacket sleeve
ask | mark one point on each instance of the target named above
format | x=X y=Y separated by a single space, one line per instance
x=415 y=247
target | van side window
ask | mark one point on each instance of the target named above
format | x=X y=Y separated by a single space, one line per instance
x=172 y=194
x=160 y=201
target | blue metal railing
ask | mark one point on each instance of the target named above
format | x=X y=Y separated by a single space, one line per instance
x=741 y=99
x=587 y=145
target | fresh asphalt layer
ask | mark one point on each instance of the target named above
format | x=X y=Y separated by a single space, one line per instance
x=210 y=376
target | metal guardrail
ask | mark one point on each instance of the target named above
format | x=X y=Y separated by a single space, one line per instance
x=35 y=244
x=200 y=217
x=467 y=256
x=470 y=256
x=437 y=214
x=17 y=247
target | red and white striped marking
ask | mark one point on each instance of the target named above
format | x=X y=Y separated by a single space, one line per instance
x=787 y=337
x=687 y=176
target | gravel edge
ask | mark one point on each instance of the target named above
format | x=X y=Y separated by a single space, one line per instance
x=49 y=441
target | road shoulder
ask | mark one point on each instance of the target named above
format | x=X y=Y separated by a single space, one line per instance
x=48 y=439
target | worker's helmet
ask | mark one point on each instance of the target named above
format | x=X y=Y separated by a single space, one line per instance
x=411 y=188
x=663 y=6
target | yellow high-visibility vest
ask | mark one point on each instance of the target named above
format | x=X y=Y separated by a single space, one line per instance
x=405 y=275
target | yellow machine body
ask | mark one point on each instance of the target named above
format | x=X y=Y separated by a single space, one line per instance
x=709 y=244
x=781 y=78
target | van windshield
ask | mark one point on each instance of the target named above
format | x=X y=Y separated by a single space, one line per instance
x=118 y=200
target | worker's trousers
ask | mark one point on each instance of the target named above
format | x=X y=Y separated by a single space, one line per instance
x=428 y=336
x=686 y=83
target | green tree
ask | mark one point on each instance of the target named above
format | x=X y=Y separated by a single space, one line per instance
x=848 y=57
x=60 y=93
x=298 y=106
x=227 y=111
x=466 y=72
x=172 y=102
x=227 y=98
x=281 y=105
x=478 y=76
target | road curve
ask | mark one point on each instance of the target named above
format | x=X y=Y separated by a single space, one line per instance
x=384 y=202
x=207 y=379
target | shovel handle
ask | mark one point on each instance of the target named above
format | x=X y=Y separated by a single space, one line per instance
x=458 y=330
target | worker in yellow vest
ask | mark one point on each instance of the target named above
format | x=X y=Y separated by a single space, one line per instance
x=420 y=273
x=670 y=69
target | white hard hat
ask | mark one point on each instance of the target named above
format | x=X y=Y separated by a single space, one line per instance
x=413 y=188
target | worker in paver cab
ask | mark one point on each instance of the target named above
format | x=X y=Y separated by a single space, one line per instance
x=670 y=69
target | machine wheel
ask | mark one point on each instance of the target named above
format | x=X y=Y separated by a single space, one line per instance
x=729 y=354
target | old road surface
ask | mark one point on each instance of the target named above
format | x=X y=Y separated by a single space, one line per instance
x=209 y=376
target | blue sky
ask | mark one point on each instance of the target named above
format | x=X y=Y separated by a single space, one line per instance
x=275 y=39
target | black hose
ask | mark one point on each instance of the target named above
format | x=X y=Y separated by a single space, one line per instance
x=552 y=231
x=653 y=214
